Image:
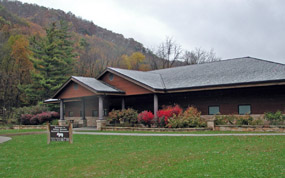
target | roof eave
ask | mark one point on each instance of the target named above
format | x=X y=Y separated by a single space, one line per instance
x=227 y=86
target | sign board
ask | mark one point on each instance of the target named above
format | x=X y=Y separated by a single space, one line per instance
x=60 y=133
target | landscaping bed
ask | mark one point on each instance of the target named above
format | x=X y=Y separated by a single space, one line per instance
x=154 y=129
x=248 y=128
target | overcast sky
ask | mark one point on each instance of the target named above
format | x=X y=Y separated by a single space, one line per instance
x=233 y=28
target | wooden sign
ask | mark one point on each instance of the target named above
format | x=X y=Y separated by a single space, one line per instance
x=60 y=133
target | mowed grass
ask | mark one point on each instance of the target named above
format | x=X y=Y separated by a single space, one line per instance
x=130 y=156
x=13 y=131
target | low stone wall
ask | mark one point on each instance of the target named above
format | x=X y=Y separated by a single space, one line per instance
x=29 y=127
x=153 y=129
x=78 y=122
x=249 y=128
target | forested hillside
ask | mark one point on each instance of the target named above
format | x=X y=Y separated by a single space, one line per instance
x=29 y=74
x=40 y=48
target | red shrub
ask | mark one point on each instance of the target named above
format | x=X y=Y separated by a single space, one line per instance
x=146 y=118
x=25 y=119
x=166 y=113
x=28 y=119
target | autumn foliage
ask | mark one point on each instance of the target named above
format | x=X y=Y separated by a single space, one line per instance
x=166 y=113
x=29 y=119
x=146 y=118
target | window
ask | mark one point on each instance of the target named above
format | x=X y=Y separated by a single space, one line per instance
x=105 y=112
x=70 y=114
x=94 y=113
x=214 y=110
x=111 y=77
x=75 y=86
x=81 y=113
x=244 y=109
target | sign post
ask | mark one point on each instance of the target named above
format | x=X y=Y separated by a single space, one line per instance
x=59 y=133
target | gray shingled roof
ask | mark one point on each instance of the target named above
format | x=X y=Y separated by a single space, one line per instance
x=97 y=85
x=152 y=80
x=225 y=72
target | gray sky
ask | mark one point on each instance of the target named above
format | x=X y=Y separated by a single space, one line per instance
x=233 y=28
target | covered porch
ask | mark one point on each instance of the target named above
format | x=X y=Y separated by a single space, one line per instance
x=86 y=101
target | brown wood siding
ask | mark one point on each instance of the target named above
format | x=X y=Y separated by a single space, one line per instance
x=125 y=85
x=261 y=99
x=70 y=92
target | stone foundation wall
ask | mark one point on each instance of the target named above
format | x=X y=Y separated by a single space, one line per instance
x=91 y=121
x=29 y=127
x=249 y=128
x=154 y=129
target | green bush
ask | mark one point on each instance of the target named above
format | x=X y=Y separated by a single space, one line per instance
x=126 y=116
x=236 y=120
x=274 y=118
x=244 y=120
x=54 y=122
x=225 y=119
x=189 y=118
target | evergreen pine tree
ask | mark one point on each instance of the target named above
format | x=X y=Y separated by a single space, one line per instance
x=53 y=62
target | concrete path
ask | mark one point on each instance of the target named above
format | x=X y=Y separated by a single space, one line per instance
x=179 y=135
x=4 y=139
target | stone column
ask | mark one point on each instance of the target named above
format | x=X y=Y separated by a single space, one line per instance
x=101 y=123
x=100 y=108
x=155 y=106
x=123 y=103
x=61 y=120
x=84 y=121
x=211 y=123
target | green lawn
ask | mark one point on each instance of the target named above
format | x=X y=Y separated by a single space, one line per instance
x=10 y=131
x=192 y=132
x=128 y=156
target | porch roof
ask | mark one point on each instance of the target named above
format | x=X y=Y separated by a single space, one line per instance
x=91 y=84
x=97 y=85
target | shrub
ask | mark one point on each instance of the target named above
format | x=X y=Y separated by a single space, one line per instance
x=29 y=119
x=32 y=110
x=225 y=119
x=244 y=120
x=236 y=120
x=146 y=118
x=126 y=115
x=164 y=114
x=189 y=118
x=274 y=118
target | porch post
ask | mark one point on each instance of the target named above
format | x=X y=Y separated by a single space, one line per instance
x=101 y=123
x=84 y=121
x=123 y=103
x=155 y=106
x=83 y=108
x=61 y=120
x=61 y=109
x=101 y=110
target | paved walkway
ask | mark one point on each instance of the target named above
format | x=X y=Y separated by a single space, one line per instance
x=4 y=139
x=178 y=135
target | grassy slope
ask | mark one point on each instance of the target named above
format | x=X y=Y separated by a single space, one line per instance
x=118 y=156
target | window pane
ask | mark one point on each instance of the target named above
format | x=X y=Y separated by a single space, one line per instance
x=105 y=112
x=214 y=110
x=244 y=109
x=94 y=113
